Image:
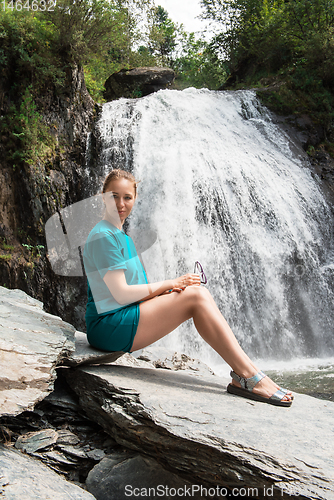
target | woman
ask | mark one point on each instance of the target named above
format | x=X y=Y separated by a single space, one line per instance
x=126 y=313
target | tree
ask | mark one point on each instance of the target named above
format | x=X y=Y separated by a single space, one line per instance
x=83 y=27
x=247 y=29
x=162 y=36
x=100 y=35
x=274 y=33
x=197 y=65
x=26 y=53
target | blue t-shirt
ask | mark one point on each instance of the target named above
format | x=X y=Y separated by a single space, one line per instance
x=107 y=249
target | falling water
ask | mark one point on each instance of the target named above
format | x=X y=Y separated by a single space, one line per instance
x=225 y=185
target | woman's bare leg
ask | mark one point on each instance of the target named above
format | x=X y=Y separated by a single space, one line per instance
x=161 y=315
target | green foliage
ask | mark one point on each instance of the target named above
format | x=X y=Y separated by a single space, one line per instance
x=290 y=42
x=248 y=30
x=99 y=35
x=6 y=246
x=274 y=34
x=302 y=93
x=38 y=49
x=27 y=136
x=94 y=81
x=136 y=94
x=164 y=43
x=83 y=27
x=198 y=65
x=26 y=53
x=162 y=37
x=5 y=257
x=34 y=250
x=116 y=55
x=29 y=68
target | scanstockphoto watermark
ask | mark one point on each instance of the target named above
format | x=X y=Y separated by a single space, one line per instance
x=184 y=491
x=196 y=489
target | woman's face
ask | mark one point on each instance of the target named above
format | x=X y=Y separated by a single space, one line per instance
x=119 y=199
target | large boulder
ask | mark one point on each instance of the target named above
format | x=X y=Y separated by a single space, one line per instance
x=137 y=82
x=23 y=477
x=32 y=343
x=122 y=475
x=85 y=354
x=191 y=424
x=178 y=414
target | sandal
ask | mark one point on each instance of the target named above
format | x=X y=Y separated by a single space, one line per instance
x=287 y=392
x=247 y=386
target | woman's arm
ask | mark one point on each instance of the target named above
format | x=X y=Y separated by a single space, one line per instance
x=127 y=294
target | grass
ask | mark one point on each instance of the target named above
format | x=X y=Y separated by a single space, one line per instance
x=5 y=257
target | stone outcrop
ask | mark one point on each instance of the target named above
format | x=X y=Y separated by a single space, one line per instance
x=84 y=354
x=31 y=193
x=23 y=477
x=161 y=357
x=123 y=475
x=170 y=412
x=193 y=425
x=57 y=433
x=137 y=82
x=32 y=343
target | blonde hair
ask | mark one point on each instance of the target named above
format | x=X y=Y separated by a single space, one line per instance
x=116 y=174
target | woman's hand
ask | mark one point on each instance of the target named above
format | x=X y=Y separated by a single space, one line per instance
x=179 y=284
x=126 y=294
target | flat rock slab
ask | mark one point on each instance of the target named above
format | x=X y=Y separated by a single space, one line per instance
x=169 y=359
x=153 y=356
x=85 y=354
x=34 y=441
x=25 y=478
x=32 y=343
x=193 y=425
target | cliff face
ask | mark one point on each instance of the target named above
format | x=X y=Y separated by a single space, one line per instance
x=32 y=193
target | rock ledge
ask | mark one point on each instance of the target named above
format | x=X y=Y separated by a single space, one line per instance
x=137 y=82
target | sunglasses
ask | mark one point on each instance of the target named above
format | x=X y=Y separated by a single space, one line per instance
x=199 y=270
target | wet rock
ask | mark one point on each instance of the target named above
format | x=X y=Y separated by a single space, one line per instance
x=24 y=477
x=193 y=425
x=120 y=476
x=32 y=343
x=137 y=82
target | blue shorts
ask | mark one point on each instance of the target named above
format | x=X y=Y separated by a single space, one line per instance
x=114 y=331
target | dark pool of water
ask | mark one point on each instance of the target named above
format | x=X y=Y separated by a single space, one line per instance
x=317 y=382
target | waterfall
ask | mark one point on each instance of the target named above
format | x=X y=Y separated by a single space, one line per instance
x=224 y=184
